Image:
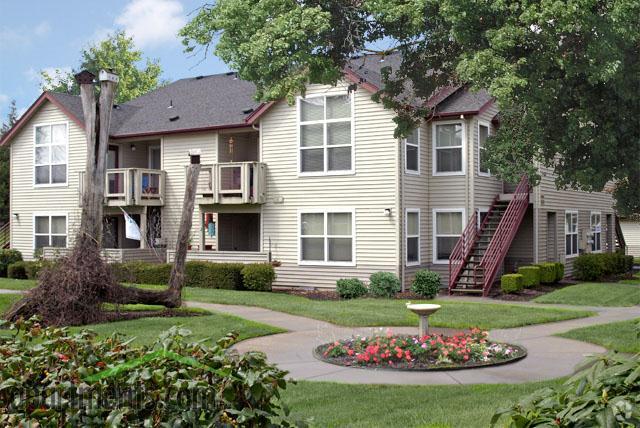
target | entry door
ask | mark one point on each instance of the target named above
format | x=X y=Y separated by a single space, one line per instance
x=154 y=157
x=113 y=162
x=552 y=237
x=111 y=232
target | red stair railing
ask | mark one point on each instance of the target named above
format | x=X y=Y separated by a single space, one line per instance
x=503 y=236
x=5 y=234
x=461 y=251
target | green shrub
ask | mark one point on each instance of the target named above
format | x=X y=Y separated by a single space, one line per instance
x=258 y=276
x=179 y=383
x=530 y=275
x=426 y=283
x=511 y=283
x=384 y=284
x=17 y=270
x=225 y=276
x=559 y=271
x=350 y=288
x=8 y=257
x=197 y=274
x=588 y=267
x=547 y=272
x=603 y=393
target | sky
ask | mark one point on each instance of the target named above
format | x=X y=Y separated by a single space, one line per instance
x=40 y=35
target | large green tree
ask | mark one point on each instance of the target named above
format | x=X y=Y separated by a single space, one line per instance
x=118 y=53
x=566 y=74
x=12 y=118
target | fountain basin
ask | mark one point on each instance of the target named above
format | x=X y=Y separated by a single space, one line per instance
x=423 y=308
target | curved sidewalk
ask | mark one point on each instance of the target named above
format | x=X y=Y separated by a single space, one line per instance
x=548 y=356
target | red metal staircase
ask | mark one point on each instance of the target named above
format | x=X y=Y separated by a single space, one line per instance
x=480 y=251
x=5 y=233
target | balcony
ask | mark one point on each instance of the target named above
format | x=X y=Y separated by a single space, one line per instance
x=232 y=183
x=132 y=187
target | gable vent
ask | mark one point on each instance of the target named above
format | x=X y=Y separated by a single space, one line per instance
x=174 y=118
x=247 y=111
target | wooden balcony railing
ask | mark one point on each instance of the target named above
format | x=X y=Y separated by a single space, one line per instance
x=132 y=186
x=232 y=183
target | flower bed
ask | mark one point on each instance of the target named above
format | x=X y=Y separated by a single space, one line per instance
x=433 y=352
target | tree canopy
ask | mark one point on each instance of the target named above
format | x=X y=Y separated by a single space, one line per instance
x=118 y=53
x=566 y=74
x=12 y=118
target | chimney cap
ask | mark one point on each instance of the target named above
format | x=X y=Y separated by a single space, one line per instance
x=84 y=77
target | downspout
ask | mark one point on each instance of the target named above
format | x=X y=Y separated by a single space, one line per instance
x=400 y=212
x=471 y=166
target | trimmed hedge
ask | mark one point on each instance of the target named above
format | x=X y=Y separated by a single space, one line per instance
x=595 y=267
x=8 y=257
x=559 y=271
x=511 y=283
x=350 y=288
x=225 y=276
x=17 y=270
x=426 y=283
x=547 y=272
x=530 y=275
x=258 y=276
x=384 y=284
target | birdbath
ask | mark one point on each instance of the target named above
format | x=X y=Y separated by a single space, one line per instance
x=423 y=310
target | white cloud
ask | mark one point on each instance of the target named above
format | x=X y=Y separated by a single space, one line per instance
x=152 y=22
x=4 y=99
x=56 y=74
x=42 y=29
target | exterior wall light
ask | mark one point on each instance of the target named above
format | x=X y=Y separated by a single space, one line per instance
x=387 y=212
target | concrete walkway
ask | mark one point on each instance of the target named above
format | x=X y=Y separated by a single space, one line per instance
x=548 y=356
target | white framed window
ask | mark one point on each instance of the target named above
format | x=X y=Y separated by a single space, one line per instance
x=51 y=153
x=571 y=233
x=325 y=135
x=50 y=230
x=448 y=225
x=596 y=231
x=448 y=148
x=327 y=237
x=412 y=236
x=412 y=153
x=482 y=214
x=484 y=130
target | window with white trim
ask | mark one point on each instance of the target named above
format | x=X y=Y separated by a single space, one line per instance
x=50 y=158
x=448 y=227
x=412 y=223
x=571 y=233
x=596 y=232
x=326 y=140
x=448 y=149
x=483 y=136
x=327 y=237
x=50 y=231
x=412 y=152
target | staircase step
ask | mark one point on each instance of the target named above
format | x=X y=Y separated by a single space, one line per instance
x=467 y=290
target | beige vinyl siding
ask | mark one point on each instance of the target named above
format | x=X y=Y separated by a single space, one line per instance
x=549 y=198
x=175 y=159
x=631 y=231
x=26 y=199
x=368 y=191
x=484 y=188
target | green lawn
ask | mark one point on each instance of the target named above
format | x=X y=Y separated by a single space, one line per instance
x=211 y=326
x=618 y=336
x=378 y=312
x=16 y=284
x=595 y=294
x=345 y=405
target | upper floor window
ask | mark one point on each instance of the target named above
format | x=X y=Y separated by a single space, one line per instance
x=448 y=148
x=596 y=232
x=483 y=136
x=327 y=237
x=326 y=137
x=571 y=233
x=50 y=162
x=412 y=152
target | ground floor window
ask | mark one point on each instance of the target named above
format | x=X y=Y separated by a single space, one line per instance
x=596 y=232
x=412 y=223
x=448 y=225
x=327 y=237
x=50 y=231
x=571 y=233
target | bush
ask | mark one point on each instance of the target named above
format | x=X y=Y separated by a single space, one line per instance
x=426 y=283
x=588 y=267
x=559 y=271
x=530 y=275
x=8 y=257
x=228 y=388
x=384 y=284
x=603 y=393
x=17 y=270
x=258 y=276
x=511 y=283
x=547 y=272
x=350 y=288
